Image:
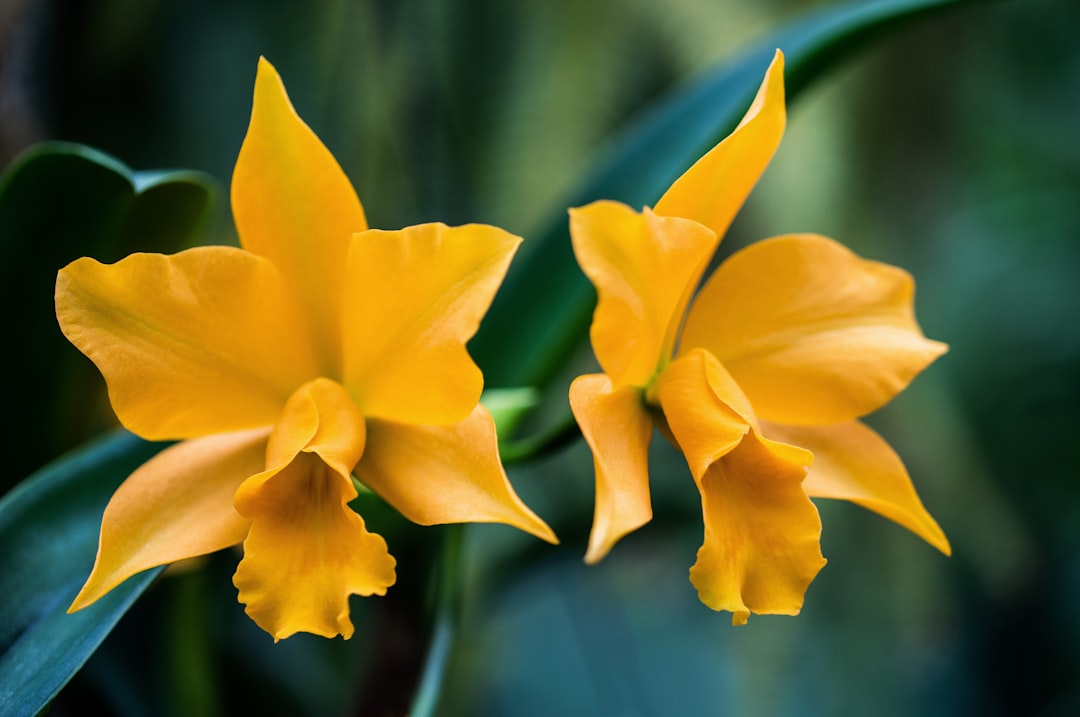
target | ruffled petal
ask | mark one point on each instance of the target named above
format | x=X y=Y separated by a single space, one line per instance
x=715 y=187
x=445 y=474
x=618 y=429
x=704 y=408
x=412 y=299
x=201 y=342
x=294 y=205
x=852 y=462
x=306 y=550
x=176 y=505
x=812 y=333
x=645 y=269
x=762 y=533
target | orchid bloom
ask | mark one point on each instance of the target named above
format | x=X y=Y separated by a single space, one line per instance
x=790 y=341
x=319 y=350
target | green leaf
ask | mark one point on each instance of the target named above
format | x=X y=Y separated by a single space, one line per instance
x=60 y=201
x=48 y=538
x=545 y=305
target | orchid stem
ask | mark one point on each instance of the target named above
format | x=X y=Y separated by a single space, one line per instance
x=528 y=448
x=447 y=613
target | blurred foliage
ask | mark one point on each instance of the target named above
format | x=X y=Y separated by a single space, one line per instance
x=950 y=150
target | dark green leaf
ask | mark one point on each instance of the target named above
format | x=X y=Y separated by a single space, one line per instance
x=545 y=304
x=58 y=202
x=48 y=537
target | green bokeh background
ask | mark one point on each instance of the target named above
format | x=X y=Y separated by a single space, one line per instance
x=951 y=149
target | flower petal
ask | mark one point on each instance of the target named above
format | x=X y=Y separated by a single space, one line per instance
x=176 y=505
x=715 y=187
x=445 y=474
x=201 y=342
x=413 y=298
x=704 y=408
x=852 y=462
x=294 y=205
x=320 y=417
x=762 y=534
x=307 y=551
x=618 y=430
x=812 y=333
x=645 y=269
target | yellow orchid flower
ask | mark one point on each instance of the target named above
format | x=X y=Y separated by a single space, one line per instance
x=789 y=342
x=320 y=350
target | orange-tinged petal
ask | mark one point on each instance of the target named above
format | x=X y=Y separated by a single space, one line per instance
x=812 y=333
x=618 y=429
x=445 y=474
x=762 y=533
x=715 y=187
x=412 y=299
x=294 y=205
x=645 y=269
x=852 y=462
x=320 y=417
x=307 y=551
x=704 y=409
x=201 y=342
x=177 y=505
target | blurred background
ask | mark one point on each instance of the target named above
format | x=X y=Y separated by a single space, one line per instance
x=951 y=148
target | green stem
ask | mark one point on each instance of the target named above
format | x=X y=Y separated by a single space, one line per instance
x=528 y=448
x=447 y=612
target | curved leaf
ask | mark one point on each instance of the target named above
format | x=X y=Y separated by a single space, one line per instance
x=48 y=537
x=543 y=310
x=60 y=201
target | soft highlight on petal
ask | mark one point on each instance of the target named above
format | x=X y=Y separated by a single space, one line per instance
x=812 y=333
x=762 y=534
x=177 y=505
x=294 y=205
x=645 y=269
x=618 y=429
x=445 y=474
x=413 y=298
x=852 y=462
x=715 y=187
x=704 y=409
x=306 y=551
x=201 y=342
x=320 y=418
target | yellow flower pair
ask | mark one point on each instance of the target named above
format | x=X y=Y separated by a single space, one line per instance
x=324 y=350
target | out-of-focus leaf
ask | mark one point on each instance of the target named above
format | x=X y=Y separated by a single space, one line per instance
x=48 y=537
x=509 y=405
x=545 y=304
x=60 y=201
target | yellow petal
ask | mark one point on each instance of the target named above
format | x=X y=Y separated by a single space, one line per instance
x=645 y=268
x=812 y=333
x=704 y=409
x=412 y=299
x=307 y=551
x=201 y=342
x=618 y=429
x=294 y=205
x=445 y=474
x=320 y=417
x=715 y=187
x=762 y=534
x=176 y=505
x=852 y=462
